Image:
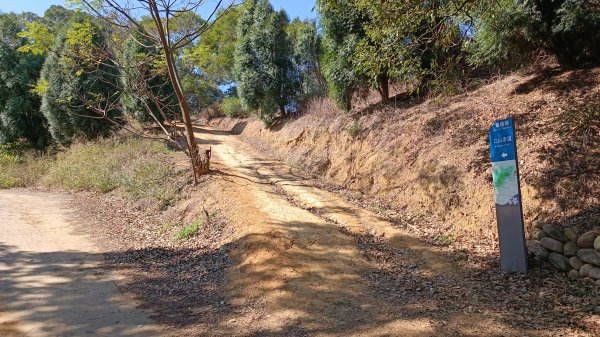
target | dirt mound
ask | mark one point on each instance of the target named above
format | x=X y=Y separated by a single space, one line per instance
x=432 y=156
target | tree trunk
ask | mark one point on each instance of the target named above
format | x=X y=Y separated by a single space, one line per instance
x=384 y=87
x=200 y=162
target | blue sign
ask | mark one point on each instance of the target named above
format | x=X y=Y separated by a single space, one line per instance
x=507 y=195
x=502 y=140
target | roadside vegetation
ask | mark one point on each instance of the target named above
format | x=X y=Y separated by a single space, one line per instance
x=143 y=169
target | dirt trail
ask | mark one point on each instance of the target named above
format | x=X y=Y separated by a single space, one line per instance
x=52 y=280
x=300 y=267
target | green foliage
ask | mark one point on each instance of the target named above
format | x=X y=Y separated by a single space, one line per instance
x=20 y=117
x=81 y=85
x=342 y=25
x=214 y=52
x=190 y=230
x=148 y=95
x=200 y=91
x=505 y=36
x=509 y=33
x=262 y=64
x=40 y=37
x=370 y=43
x=306 y=53
x=409 y=42
x=40 y=34
x=232 y=107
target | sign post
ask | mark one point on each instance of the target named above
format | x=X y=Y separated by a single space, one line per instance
x=507 y=195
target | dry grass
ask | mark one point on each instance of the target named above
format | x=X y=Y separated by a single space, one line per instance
x=21 y=170
x=141 y=168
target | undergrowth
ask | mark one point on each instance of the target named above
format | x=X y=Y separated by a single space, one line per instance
x=190 y=230
x=141 y=168
x=21 y=170
x=581 y=123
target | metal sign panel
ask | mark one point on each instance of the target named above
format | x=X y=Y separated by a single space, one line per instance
x=507 y=195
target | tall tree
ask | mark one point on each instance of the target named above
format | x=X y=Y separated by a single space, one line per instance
x=263 y=69
x=306 y=55
x=343 y=29
x=162 y=36
x=374 y=42
x=19 y=107
x=70 y=81
x=213 y=55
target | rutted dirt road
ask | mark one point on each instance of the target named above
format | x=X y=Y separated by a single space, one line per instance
x=301 y=262
x=52 y=280
x=308 y=263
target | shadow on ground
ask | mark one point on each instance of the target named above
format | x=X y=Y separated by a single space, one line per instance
x=62 y=293
x=302 y=289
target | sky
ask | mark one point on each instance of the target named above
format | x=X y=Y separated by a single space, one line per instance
x=295 y=8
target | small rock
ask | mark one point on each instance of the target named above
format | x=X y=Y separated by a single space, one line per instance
x=538 y=224
x=584 y=271
x=586 y=240
x=573 y=274
x=594 y=273
x=559 y=262
x=571 y=234
x=575 y=263
x=598 y=283
x=552 y=244
x=570 y=249
x=535 y=248
x=555 y=233
x=597 y=244
x=588 y=255
x=539 y=234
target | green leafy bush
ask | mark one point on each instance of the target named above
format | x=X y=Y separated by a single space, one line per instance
x=232 y=107
x=510 y=33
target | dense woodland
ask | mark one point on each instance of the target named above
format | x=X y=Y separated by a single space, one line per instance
x=75 y=74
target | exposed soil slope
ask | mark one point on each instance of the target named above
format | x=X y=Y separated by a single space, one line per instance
x=432 y=157
x=305 y=262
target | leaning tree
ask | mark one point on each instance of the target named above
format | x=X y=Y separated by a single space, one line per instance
x=168 y=37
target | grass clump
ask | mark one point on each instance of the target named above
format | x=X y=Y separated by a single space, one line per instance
x=21 y=170
x=582 y=122
x=189 y=230
x=354 y=128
